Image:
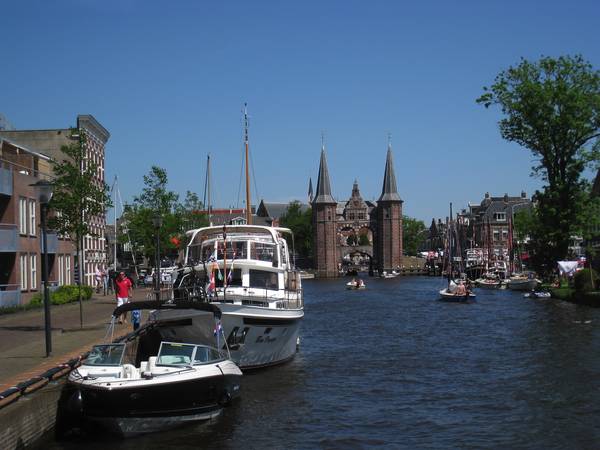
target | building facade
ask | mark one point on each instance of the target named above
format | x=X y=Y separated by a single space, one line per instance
x=20 y=234
x=49 y=143
x=338 y=225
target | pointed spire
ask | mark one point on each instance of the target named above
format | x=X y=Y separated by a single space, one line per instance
x=323 y=184
x=389 y=192
x=310 y=188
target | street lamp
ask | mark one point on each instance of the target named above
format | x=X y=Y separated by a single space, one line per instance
x=157 y=222
x=43 y=190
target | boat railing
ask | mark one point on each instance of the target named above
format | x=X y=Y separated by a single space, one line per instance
x=283 y=298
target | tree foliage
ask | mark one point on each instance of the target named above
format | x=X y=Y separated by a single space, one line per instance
x=177 y=218
x=300 y=222
x=414 y=234
x=78 y=196
x=552 y=108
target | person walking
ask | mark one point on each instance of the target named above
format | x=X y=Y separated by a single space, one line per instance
x=122 y=293
x=98 y=276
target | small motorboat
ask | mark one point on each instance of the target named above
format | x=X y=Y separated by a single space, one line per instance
x=447 y=296
x=146 y=384
x=522 y=283
x=392 y=274
x=352 y=285
x=537 y=294
x=488 y=283
x=183 y=383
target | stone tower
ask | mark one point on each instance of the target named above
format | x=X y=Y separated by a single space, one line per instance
x=324 y=225
x=388 y=217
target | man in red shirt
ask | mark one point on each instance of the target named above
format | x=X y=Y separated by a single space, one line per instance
x=122 y=292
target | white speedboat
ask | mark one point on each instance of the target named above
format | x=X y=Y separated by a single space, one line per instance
x=182 y=383
x=246 y=271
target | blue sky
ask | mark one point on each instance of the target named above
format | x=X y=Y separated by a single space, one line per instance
x=169 y=79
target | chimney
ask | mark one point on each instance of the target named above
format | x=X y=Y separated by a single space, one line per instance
x=487 y=195
x=523 y=194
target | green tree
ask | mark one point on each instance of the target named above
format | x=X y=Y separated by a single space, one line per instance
x=301 y=225
x=78 y=196
x=413 y=235
x=552 y=108
x=155 y=199
x=363 y=239
x=190 y=213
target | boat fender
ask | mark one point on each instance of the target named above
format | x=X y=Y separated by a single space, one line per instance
x=9 y=395
x=33 y=384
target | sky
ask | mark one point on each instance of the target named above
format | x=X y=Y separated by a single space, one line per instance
x=169 y=81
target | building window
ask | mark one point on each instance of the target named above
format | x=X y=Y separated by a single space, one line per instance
x=67 y=269
x=22 y=215
x=23 y=271
x=496 y=235
x=32 y=224
x=33 y=270
x=500 y=217
x=504 y=234
x=61 y=276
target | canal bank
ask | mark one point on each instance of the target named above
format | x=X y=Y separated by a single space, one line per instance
x=392 y=367
x=30 y=381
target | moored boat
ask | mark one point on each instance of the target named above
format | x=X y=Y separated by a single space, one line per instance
x=183 y=383
x=522 y=283
x=246 y=271
x=123 y=389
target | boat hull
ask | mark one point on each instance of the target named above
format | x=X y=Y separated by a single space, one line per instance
x=256 y=337
x=450 y=297
x=131 y=407
x=522 y=285
x=487 y=285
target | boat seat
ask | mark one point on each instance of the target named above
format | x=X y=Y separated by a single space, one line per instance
x=151 y=364
x=130 y=372
x=143 y=366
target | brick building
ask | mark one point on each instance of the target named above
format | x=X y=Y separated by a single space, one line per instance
x=332 y=221
x=49 y=143
x=20 y=236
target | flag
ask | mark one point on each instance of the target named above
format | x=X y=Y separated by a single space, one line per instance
x=230 y=274
x=211 y=284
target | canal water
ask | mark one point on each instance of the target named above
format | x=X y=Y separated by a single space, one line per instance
x=392 y=367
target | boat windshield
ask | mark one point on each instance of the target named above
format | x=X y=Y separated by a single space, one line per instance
x=105 y=355
x=176 y=354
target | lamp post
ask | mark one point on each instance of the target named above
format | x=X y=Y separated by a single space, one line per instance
x=43 y=190
x=157 y=222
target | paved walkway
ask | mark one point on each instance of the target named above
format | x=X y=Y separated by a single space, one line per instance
x=22 y=336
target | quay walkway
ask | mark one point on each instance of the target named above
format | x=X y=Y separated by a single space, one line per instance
x=23 y=359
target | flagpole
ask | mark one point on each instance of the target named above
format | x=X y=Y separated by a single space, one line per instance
x=224 y=259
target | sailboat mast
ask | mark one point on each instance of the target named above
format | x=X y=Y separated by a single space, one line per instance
x=450 y=272
x=115 y=224
x=248 y=206
x=208 y=190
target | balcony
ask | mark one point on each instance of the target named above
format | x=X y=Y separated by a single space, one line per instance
x=6 y=181
x=52 y=243
x=10 y=295
x=8 y=238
